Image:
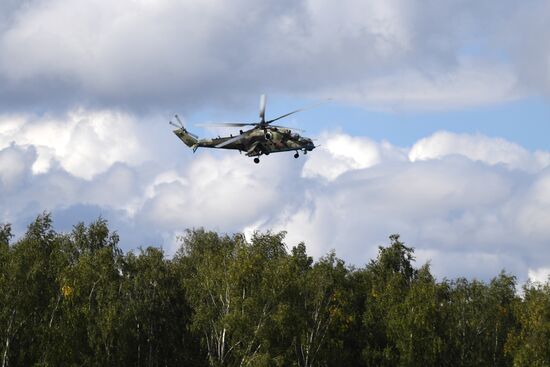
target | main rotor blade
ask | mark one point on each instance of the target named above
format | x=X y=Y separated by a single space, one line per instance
x=224 y=124
x=232 y=140
x=286 y=127
x=298 y=110
x=262 y=108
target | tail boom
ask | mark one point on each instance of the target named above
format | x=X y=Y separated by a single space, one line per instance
x=187 y=138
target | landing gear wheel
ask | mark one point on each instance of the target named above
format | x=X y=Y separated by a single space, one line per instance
x=296 y=155
x=256 y=160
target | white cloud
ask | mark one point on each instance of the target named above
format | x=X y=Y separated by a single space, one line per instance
x=478 y=148
x=539 y=275
x=14 y=166
x=84 y=143
x=225 y=193
x=533 y=210
x=451 y=204
x=453 y=200
x=339 y=153
x=394 y=54
x=344 y=153
x=465 y=85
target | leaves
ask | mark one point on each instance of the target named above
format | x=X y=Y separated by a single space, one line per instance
x=222 y=300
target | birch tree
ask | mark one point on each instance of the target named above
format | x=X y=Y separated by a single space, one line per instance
x=389 y=278
x=227 y=284
x=530 y=344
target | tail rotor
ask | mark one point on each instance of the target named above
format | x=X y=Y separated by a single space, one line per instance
x=179 y=125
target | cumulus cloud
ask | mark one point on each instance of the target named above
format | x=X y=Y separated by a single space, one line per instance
x=479 y=148
x=464 y=201
x=14 y=166
x=530 y=57
x=225 y=193
x=448 y=204
x=462 y=86
x=539 y=275
x=84 y=143
x=470 y=203
x=341 y=153
x=396 y=54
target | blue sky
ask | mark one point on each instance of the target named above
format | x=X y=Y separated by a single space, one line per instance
x=437 y=128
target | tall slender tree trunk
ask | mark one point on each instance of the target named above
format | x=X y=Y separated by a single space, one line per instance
x=7 y=344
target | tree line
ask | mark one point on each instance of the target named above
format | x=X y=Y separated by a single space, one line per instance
x=76 y=299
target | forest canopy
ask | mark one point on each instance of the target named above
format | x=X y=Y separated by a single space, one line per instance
x=76 y=299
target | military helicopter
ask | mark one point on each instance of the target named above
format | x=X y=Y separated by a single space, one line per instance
x=263 y=138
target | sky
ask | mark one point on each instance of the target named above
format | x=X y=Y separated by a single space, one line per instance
x=437 y=127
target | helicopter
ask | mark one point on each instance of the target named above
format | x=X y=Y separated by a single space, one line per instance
x=263 y=138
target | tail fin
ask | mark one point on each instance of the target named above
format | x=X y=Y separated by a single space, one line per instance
x=186 y=137
x=189 y=139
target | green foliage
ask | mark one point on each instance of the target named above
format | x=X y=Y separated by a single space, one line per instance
x=530 y=344
x=5 y=236
x=77 y=300
x=480 y=319
x=417 y=322
x=388 y=282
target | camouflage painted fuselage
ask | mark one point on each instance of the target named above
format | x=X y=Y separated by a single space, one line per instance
x=255 y=142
